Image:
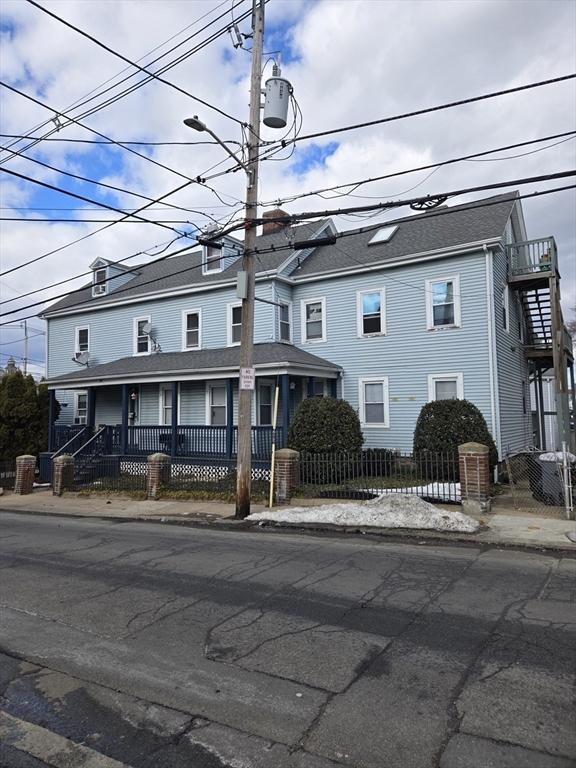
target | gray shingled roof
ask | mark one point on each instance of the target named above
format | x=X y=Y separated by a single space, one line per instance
x=449 y=227
x=182 y=270
x=452 y=226
x=195 y=362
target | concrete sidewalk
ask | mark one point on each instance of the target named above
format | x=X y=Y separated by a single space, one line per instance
x=512 y=530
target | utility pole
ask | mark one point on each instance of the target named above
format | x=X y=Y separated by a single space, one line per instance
x=244 y=461
x=25 y=360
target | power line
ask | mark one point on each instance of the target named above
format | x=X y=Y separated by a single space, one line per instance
x=26 y=220
x=120 y=141
x=290 y=246
x=91 y=200
x=419 y=200
x=101 y=184
x=17 y=341
x=79 y=103
x=428 y=110
x=462 y=158
x=132 y=63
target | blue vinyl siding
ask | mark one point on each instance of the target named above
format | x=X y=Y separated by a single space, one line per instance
x=108 y=405
x=408 y=352
x=111 y=330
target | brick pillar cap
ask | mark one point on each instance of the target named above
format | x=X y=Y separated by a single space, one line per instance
x=159 y=457
x=26 y=457
x=64 y=458
x=473 y=448
x=287 y=453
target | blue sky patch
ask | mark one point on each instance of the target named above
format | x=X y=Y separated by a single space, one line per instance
x=312 y=156
x=278 y=37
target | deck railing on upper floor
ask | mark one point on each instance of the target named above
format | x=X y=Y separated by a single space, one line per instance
x=532 y=257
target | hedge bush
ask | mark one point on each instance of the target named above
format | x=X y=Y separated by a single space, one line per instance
x=443 y=425
x=325 y=425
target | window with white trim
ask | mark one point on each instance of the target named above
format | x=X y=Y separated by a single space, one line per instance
x=265 y=400
x=191 y=329
x=284 y=324
x=234 y=324
x=443 y=303
x=313 y=320
x=211 y=259
x=371 y=312
x=100 y=285
x=82 y=341
x=166 y=404
x=445 y=386
x=141 y=337
x=374 y=402
x=217 y=404
x=81 y=408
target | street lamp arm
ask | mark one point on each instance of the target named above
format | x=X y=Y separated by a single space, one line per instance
x=232 y=154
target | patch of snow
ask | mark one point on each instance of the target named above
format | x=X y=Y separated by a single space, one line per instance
x=440 y=491
x=390 y=510
x=556 y=456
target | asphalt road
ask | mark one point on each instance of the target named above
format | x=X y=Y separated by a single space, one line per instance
x=159 y=646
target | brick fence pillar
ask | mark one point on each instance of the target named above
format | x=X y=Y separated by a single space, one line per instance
x=287 y=474
x=474 y=464
x=62 y=474
x=157 y=473
x=25 y=471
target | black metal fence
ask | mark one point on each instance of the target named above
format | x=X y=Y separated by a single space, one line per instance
x=7 y=473
x=370 y=473
x=127 y=474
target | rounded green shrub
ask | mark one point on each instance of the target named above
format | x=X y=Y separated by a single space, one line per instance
x=325 y=425
x=443 y=425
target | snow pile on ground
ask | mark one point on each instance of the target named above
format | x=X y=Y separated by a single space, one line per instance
x=387 y=511
x=440 y=491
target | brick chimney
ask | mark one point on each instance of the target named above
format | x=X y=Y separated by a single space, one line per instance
x=269 y=227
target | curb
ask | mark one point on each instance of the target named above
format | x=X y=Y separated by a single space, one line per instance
x=421 y=537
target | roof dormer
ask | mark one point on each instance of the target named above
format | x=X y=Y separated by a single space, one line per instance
x=219 y=255
x=99 y=277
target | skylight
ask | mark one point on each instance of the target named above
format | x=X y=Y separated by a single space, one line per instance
x=383 y=235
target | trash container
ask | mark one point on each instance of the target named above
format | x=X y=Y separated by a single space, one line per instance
x=552 y=482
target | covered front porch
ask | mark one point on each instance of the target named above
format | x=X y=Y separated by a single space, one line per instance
x=183 y=404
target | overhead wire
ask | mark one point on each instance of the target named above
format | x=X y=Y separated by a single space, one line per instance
x=79 y=102
x=290 y=245
x=121 y=56
x=437 y=108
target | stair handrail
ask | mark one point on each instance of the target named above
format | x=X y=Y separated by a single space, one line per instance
x=95 y=436
x=60 y=451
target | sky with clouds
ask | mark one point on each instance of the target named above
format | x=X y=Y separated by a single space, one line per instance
x=349 y=61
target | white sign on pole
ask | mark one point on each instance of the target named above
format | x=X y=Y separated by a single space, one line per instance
x=247 y=378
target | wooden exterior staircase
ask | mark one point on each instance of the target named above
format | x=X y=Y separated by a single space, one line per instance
x=533 y=274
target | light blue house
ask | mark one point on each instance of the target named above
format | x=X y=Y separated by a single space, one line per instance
x=451 y=303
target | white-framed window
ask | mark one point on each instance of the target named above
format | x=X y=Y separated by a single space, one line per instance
x=141 y=337
x=191 y=329
x=265 y=402
x=166 y=404
x=284 y=317
x=506 y=308
x=374 y=402
x=211 y=259
x=81 y=408
x=234 y=324
x=82 y=339
x=216 y=410
x=371 y=312
x=445 y=386
x=313 y=320
x=100 y=285
x=443 y=303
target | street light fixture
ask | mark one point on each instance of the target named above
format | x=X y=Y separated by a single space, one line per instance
x=198 y=125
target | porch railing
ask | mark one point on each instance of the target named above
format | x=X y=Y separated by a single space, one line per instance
x=532 y=256
x=65 y=433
